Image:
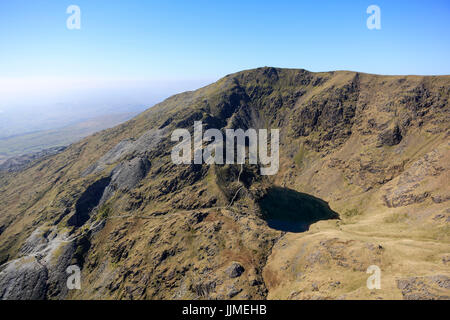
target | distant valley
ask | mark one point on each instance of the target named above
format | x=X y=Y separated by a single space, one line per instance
x=35 y=142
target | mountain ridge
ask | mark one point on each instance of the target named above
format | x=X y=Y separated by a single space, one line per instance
x=375 y=148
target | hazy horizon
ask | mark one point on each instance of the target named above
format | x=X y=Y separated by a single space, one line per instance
x=127 y=56
x=29 y=105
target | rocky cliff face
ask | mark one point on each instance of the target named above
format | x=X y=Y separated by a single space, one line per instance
x=363 y=180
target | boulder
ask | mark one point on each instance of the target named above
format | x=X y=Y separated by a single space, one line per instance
x=234 y=270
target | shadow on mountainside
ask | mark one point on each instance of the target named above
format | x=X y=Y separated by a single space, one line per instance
x=88 y=201
x=285 y=209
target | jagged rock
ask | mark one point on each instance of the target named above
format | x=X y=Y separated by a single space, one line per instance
x=204 y=289
x=440 y=198
x=390 y=137
x=335 y=284
x=57 y=262
x=405 y=189
x=233 y=292
x=235 y=270
x=425 y=288
x=36 y=242
x=121 y=250
x=254 y=282
x=146 y=142
x=41 y=272
x=23 y=279
x=126 y=176
x=114 y=155
x=446 y=259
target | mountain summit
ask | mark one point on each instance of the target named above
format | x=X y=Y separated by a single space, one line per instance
x=362 y=181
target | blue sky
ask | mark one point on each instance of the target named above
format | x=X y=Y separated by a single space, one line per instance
x=190 y=43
